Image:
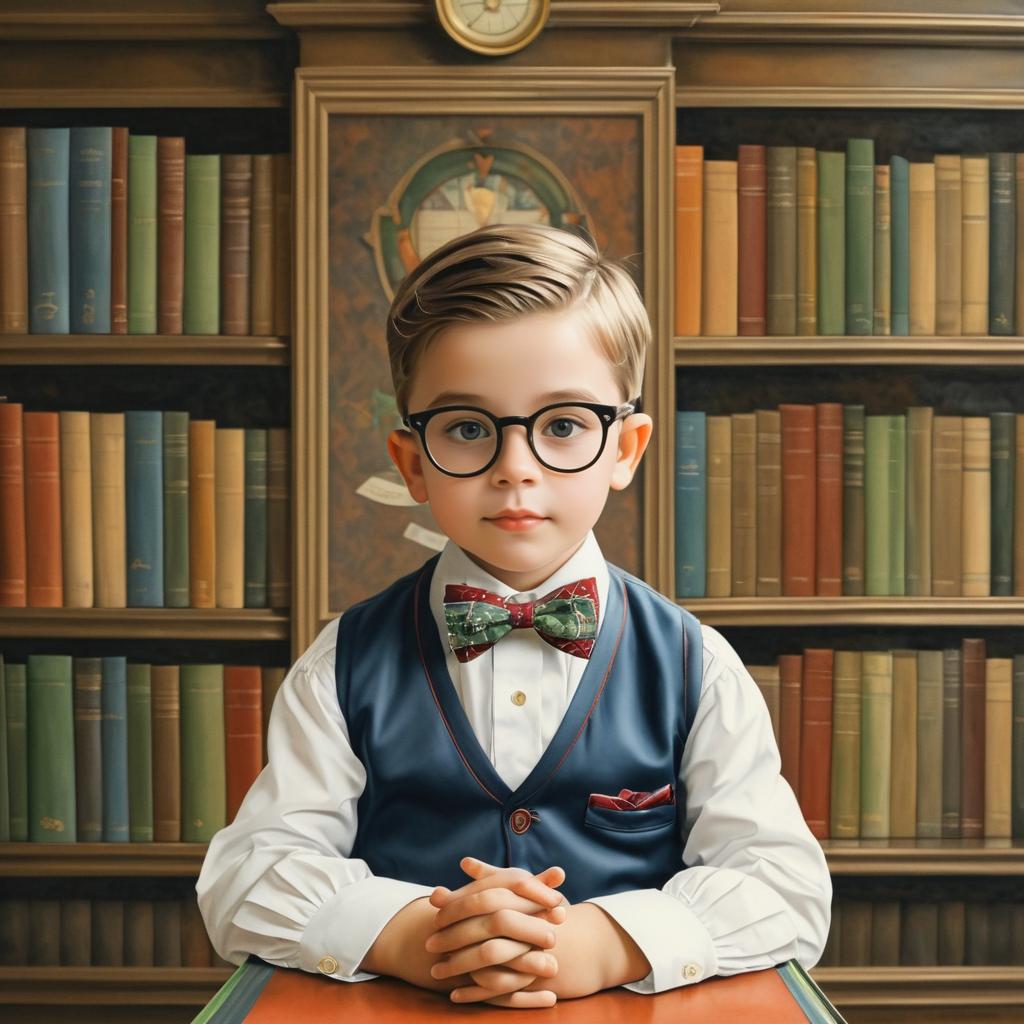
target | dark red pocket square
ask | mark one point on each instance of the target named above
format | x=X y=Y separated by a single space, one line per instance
x=632 y=800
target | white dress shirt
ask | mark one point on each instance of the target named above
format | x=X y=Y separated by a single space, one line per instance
x=279 y=881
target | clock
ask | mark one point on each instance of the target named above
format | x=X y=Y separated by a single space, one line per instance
x=493 y=27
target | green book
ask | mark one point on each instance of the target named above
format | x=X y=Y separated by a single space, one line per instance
x=853 y=500
x=142 y=237
x=876 y=744
x=255 y=556
x=919 y=501
x=17 y=750
x=899 y=201
x=140 y=755
x=203 y=773
x=176 y=580
x=876 y=506
x=5 y=801
x=1002 y=242
x=897 y=504
x=929 y=744
x=860 y=235
x=51 y=749
x=1002 y=455
x=831 y=242
x=844 y=807
x=780 y=202
x=201 y=310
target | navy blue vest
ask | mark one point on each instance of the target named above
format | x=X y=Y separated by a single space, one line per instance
x=432 y=795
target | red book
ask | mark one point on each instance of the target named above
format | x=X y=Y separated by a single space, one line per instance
x=170 y=282
x=751 y=181
x=42 y=510
x=972 y=739
x=12 y=507
x=790 y=713
x=816 y=740
x=828 y=562
x=243 y=731
x=799 y=469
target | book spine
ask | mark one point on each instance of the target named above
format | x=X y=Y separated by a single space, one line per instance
x=202 y=561
x=1017 y=750
x=948 y=245
x=781 y=240
x=920 y=427
x=140 y=753
x=229 y=516
x=860 y=225
x=13 y=230
x=201 y=312
x=720 y=249
x=972 y=738
x=790 y=703
x=261 y=294
x=89 y=226
x=166 y=933
x=51 y=737
x=976 y=524
x=831 y=242
x=1002 y=242
x=243 y=732
x=166 y=744
x=271 y=678
x=828 y=559
x=691 y=503
x=1002 y=427
x=952 y=756
x=974 y=172
x=807 y=241
x=76 y=509
x=106 y=435
x=255 y=512
x=689 y=211
x=283 y=244
x=13 y=540
x=929 y=744
x=947 y=486
x=88 y=677
x=998 y=746
x=897 y=506
x=114 y=699
x=175 y=504
x=142 y=234
x=279 y=572
x=49 y=166
x=799 y=526
x=170 y=188
x=5 y=792
x=922 y=249
x=1018 y=508
x=719 y=514
x=882 y=258
x=235 y=241
x=899 y=186
x=816 y=739
x=138 y=933
x=119 y=230
x=769 y=503
x=744 y=505
x=145 y=508
x=844 y=817
x=42 y=510
x=203 y=779
x=75 y=933
x=15 y=684
x=876 y=744
x=877 y=521
x=903 y=777
x=853 y=500
x=752 y=230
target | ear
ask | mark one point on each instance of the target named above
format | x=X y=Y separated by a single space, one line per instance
x=403 y=447
x=634 y=437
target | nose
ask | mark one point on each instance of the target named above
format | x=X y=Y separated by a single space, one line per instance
x=515 y=463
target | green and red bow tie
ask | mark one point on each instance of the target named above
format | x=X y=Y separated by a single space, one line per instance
x=477 y=619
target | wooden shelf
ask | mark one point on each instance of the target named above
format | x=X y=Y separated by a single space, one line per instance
x=907 y=987
x=866 y=351
x=137 y=986
x=147 y=623
x=857 y=611
x=143 y=350
x=101 y=860
x=924 y=856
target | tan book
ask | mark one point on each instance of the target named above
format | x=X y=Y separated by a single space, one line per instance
x=720 y=248
x=261 y=297
x=948 y=243
x=689 y=210
x=919 y=501
x=76 y=508
x=929 y=744
x=882 y=259
x=903 y=781
x=976 y=525
x=806 y=241
x=998 y=746
x=744 y=504
x=279 y=535
x=769 y=503
x=13 y=230
x=719 y=507
x=769 y=683
x=229 y=491
x=974 y=243
x=947 y=495
x=1018 y=507
x=844 y=807
x=922 y=249
x=202 y=515
x=110 y=570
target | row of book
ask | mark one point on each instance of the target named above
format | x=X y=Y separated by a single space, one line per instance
x=789 y=240
x=141 y=509
x=104 y=933
x=823 y=500
x=902 y=743
x=108 y=232
x=924 y=933
x=107 y=750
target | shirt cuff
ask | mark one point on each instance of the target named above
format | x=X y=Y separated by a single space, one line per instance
x=677 y=945
x=342 y=931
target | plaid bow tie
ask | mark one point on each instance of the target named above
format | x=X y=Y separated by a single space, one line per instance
x=566 y=618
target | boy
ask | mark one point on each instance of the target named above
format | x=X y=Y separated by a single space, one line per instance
x=519 y=710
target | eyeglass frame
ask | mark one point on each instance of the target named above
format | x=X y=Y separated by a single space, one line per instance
x=606 y=414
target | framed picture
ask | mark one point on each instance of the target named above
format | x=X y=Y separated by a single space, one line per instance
x=388 y=166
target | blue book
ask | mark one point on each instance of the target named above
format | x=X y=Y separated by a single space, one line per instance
x=144 y=508
x=48 y=278
x=114 y=739
x=89 y=215
x=899 y=189
x=691 y=504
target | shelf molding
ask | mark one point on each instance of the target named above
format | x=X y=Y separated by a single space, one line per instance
x=143 y=350
x=101 y=860
x=924 y=856
x=980 y=350
x=907 y=987
x=147 y=623
x=857 y=611
x=108 y=986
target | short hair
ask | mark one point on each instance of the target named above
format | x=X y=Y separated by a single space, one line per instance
x=503 y=272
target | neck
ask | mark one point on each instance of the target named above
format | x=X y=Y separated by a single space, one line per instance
x=525 y=579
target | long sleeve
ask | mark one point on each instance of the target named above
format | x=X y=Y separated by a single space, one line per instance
x=758 y=891
x=278 y=881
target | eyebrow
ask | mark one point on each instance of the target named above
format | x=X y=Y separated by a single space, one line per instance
x=460 y=397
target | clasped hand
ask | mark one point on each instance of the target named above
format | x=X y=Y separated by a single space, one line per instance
x=493 y=934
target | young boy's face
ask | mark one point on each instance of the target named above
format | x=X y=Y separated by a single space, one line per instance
x=514 y=369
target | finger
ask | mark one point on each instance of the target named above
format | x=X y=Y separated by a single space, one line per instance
x=507 y=923
x=487 y=901
x=524 y=1000
x=481 y=954
x=536 y=962
x=481 y=871
x=498 y=980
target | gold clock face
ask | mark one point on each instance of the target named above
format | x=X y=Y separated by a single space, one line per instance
x=493 y=27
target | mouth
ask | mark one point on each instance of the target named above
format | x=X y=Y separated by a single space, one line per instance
x=516 y=519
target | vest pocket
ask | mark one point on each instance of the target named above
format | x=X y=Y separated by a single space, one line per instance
x=630 y=821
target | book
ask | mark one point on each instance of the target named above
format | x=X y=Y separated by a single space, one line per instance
x=50 y=744
x=140 y=753
x=76 y=509
x=831 y=242
x=255 y=518
x=49 y=168
x=751 y=232
x=691 y=503
x=201 y=296
x=719 y=513
x=807 y=241
x=720 y=252
x=144 y=508
x=922 y=248
x=45 y=579
x=799 y=524
x=13 y=230
x=781 y=240
x=235 y=242
x=769 y=502
x=948 y=245
x=844 y=804
x=143 y=248
x=853 y=500
x=975 y=243
x=203 y=780
x=89 y=243
x=828 y=558
x=860 y=233
x=1002 y=242
x=744 y=505
x=165 y=707
x=899 y=200
x=88 y=707
x=13 y=541
x=114 y=702
x=689 y=212
x=876 y=744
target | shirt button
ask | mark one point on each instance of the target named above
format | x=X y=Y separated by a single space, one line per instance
x=519 y=698
x=328 y=964
x=520 y=821
x=691 y=972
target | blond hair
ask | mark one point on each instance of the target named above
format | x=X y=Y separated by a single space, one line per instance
x=506 y=271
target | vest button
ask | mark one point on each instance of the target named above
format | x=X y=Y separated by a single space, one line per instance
x=520 y=821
